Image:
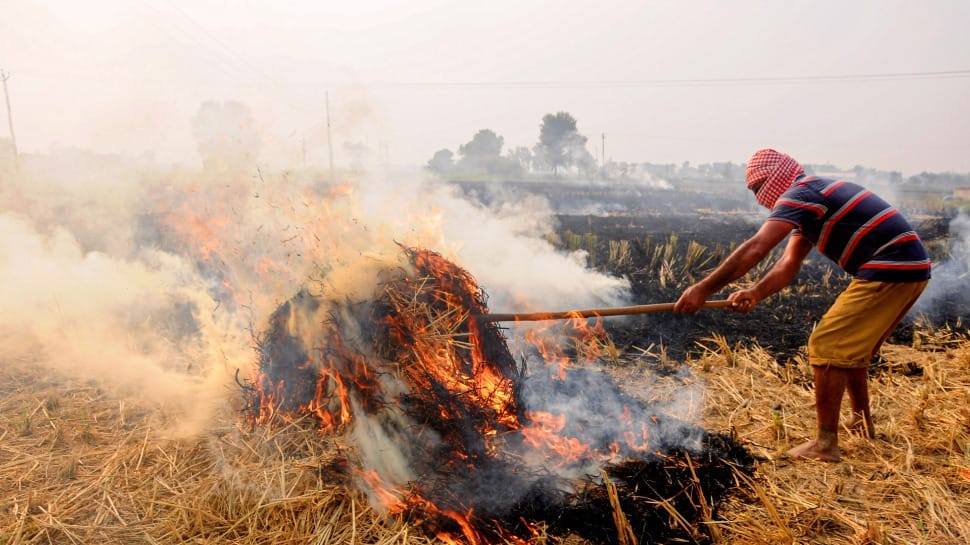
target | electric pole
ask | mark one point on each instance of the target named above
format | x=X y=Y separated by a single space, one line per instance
x=329 y=139
x=13 y=137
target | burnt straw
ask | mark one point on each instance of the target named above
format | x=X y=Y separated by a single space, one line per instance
x=446 y=391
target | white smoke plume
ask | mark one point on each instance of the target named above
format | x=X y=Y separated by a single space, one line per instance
x=153 y=279
x=157 y=281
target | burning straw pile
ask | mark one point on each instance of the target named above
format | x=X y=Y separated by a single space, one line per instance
x=431 y=405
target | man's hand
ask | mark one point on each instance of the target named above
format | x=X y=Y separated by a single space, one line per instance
x=692 y=300
x=743 y=301
x=747 y=255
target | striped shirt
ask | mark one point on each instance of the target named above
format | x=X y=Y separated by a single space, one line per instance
x=855 y=228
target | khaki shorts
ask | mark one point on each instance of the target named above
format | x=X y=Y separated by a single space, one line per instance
x=859 y=321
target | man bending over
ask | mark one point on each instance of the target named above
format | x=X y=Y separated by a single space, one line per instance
x=869 y=239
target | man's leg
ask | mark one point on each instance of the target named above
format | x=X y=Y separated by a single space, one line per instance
x=843 y=344
x=830 y=384
x=858 y=386
x=912 y=295
x=861 y=418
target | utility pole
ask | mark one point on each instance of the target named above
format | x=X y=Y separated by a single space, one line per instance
x=13 y=137
x=329 y=139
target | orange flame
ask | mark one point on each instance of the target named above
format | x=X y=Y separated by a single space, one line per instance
x=433 y=345
x=543 y=432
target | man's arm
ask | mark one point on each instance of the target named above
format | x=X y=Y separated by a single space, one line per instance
x=780 y=275
x=784 y=271
x=746 y=256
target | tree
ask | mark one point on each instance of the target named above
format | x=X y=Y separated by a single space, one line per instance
x=561 y=145
x=442 y=162
x=522 y=157
x=482 y=153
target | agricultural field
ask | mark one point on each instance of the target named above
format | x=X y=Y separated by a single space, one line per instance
x=84 y=463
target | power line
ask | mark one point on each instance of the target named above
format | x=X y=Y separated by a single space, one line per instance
x=232 y=63
x=228 y=52
x=694 y=82
x=221 y=57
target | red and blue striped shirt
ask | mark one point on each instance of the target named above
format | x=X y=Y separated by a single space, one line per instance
x=855 y=228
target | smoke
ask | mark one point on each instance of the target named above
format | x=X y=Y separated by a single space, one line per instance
x=156 y=282
x=82 y=296
x=506 y=248
x=600 y=414
x=153 y=280
x=946 y=296
x=96 y=316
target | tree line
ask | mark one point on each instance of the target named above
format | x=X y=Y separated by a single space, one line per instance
x=560 y=149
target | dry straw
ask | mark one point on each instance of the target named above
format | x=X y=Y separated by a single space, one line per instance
x=910 y=484
x=81 y=465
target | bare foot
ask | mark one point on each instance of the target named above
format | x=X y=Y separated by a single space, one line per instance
x=857 y=424
x=813 y=450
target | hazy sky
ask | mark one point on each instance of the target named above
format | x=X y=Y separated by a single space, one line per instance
x=884 y=84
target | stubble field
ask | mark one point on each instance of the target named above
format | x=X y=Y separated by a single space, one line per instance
x=80 y=463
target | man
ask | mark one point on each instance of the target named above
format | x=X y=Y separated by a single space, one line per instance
x=866 y=237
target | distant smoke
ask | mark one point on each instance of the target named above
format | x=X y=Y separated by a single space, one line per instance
x=947 y=295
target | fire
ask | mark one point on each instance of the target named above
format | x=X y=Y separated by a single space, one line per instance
x=416 y=381
x=438 y=422
x=543 y=435
x=387 y=498
x=431 y=360
x=460 y=521
x=588 y=338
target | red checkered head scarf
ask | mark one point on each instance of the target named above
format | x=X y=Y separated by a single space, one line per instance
x=769 y=174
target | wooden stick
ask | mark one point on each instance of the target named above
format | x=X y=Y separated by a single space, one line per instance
x=590 y=313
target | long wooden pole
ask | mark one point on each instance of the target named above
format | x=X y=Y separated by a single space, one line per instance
x=591 y=312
